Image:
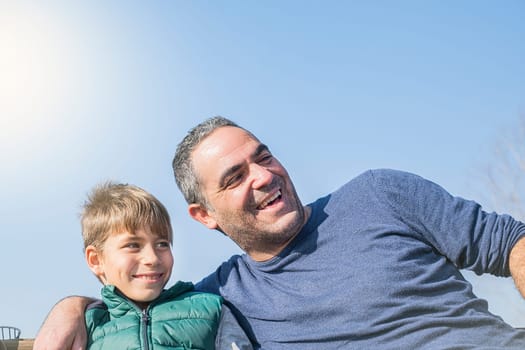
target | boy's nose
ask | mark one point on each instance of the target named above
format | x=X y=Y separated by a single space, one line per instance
x=150 y=256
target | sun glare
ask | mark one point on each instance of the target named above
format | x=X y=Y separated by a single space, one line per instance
x=32 y=79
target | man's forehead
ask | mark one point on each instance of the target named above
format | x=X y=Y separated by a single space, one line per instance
x=224 y=142
x=226 y=148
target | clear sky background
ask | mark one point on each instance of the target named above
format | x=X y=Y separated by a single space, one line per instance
x=97 y=90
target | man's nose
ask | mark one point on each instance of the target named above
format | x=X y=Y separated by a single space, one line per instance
x=261 y=176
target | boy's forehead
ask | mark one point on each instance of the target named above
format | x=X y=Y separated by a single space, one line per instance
x=122 y=233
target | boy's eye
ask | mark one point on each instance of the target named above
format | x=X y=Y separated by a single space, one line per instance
x=131 y=245
x=163 y=244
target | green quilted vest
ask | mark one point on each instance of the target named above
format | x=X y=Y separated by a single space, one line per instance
x=178 y=319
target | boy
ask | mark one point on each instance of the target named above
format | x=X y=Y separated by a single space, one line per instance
x=127 y=242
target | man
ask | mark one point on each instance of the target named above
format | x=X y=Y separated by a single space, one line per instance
x=373 y=265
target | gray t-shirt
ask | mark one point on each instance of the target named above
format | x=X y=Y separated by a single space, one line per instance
x=376 y=267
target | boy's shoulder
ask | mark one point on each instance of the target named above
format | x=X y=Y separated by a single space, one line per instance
x=185 y=293
x=96 y=314
x=97 y=305
x=185 y=289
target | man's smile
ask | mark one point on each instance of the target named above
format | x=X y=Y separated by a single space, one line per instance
x=269 y=200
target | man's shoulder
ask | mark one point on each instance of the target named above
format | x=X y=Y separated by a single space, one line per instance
x=218 y=278
x=374 y=182
x=379 y=173
x=378 y=176
x=387 y=177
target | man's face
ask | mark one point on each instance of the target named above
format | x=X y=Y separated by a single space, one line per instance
x=249 y=194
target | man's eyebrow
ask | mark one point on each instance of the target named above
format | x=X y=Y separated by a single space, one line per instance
x=226 y=174
x=260 y=149
x=232 y=170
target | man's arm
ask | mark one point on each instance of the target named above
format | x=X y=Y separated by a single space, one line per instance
x=517 y=265
x=65 y=326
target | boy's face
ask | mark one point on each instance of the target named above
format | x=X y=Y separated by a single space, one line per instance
x=139 y=264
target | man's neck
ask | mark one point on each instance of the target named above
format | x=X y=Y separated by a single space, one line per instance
x=271 y=252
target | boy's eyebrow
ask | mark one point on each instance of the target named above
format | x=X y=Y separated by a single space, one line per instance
x=232 y=170
x=130 y=237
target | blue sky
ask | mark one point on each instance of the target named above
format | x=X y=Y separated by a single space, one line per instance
x=97 y=90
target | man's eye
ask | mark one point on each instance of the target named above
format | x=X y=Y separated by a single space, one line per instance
x=266 y=159
x=131 y=245
x=234 y=180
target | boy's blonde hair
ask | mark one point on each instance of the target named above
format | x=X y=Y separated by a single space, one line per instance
x=115 y=207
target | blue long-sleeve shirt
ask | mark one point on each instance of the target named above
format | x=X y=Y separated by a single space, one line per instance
x=377 y=267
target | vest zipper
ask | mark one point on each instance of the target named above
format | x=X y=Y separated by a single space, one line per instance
x=144 y=320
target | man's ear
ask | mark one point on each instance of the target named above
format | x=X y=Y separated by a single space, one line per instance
x=94 y=261
x=201 y=214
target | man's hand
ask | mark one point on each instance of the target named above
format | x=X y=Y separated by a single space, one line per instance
x=64 y=327
x=517 y=265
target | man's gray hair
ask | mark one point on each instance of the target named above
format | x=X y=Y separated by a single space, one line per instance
x=185 y=176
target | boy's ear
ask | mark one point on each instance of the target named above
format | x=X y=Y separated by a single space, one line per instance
x=94 y=261
x=202 y=215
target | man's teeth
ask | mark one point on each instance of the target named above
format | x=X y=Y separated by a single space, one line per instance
x=270 y=199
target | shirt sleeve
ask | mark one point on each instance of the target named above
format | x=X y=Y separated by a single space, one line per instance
x=457 y=228
x=230 y=335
